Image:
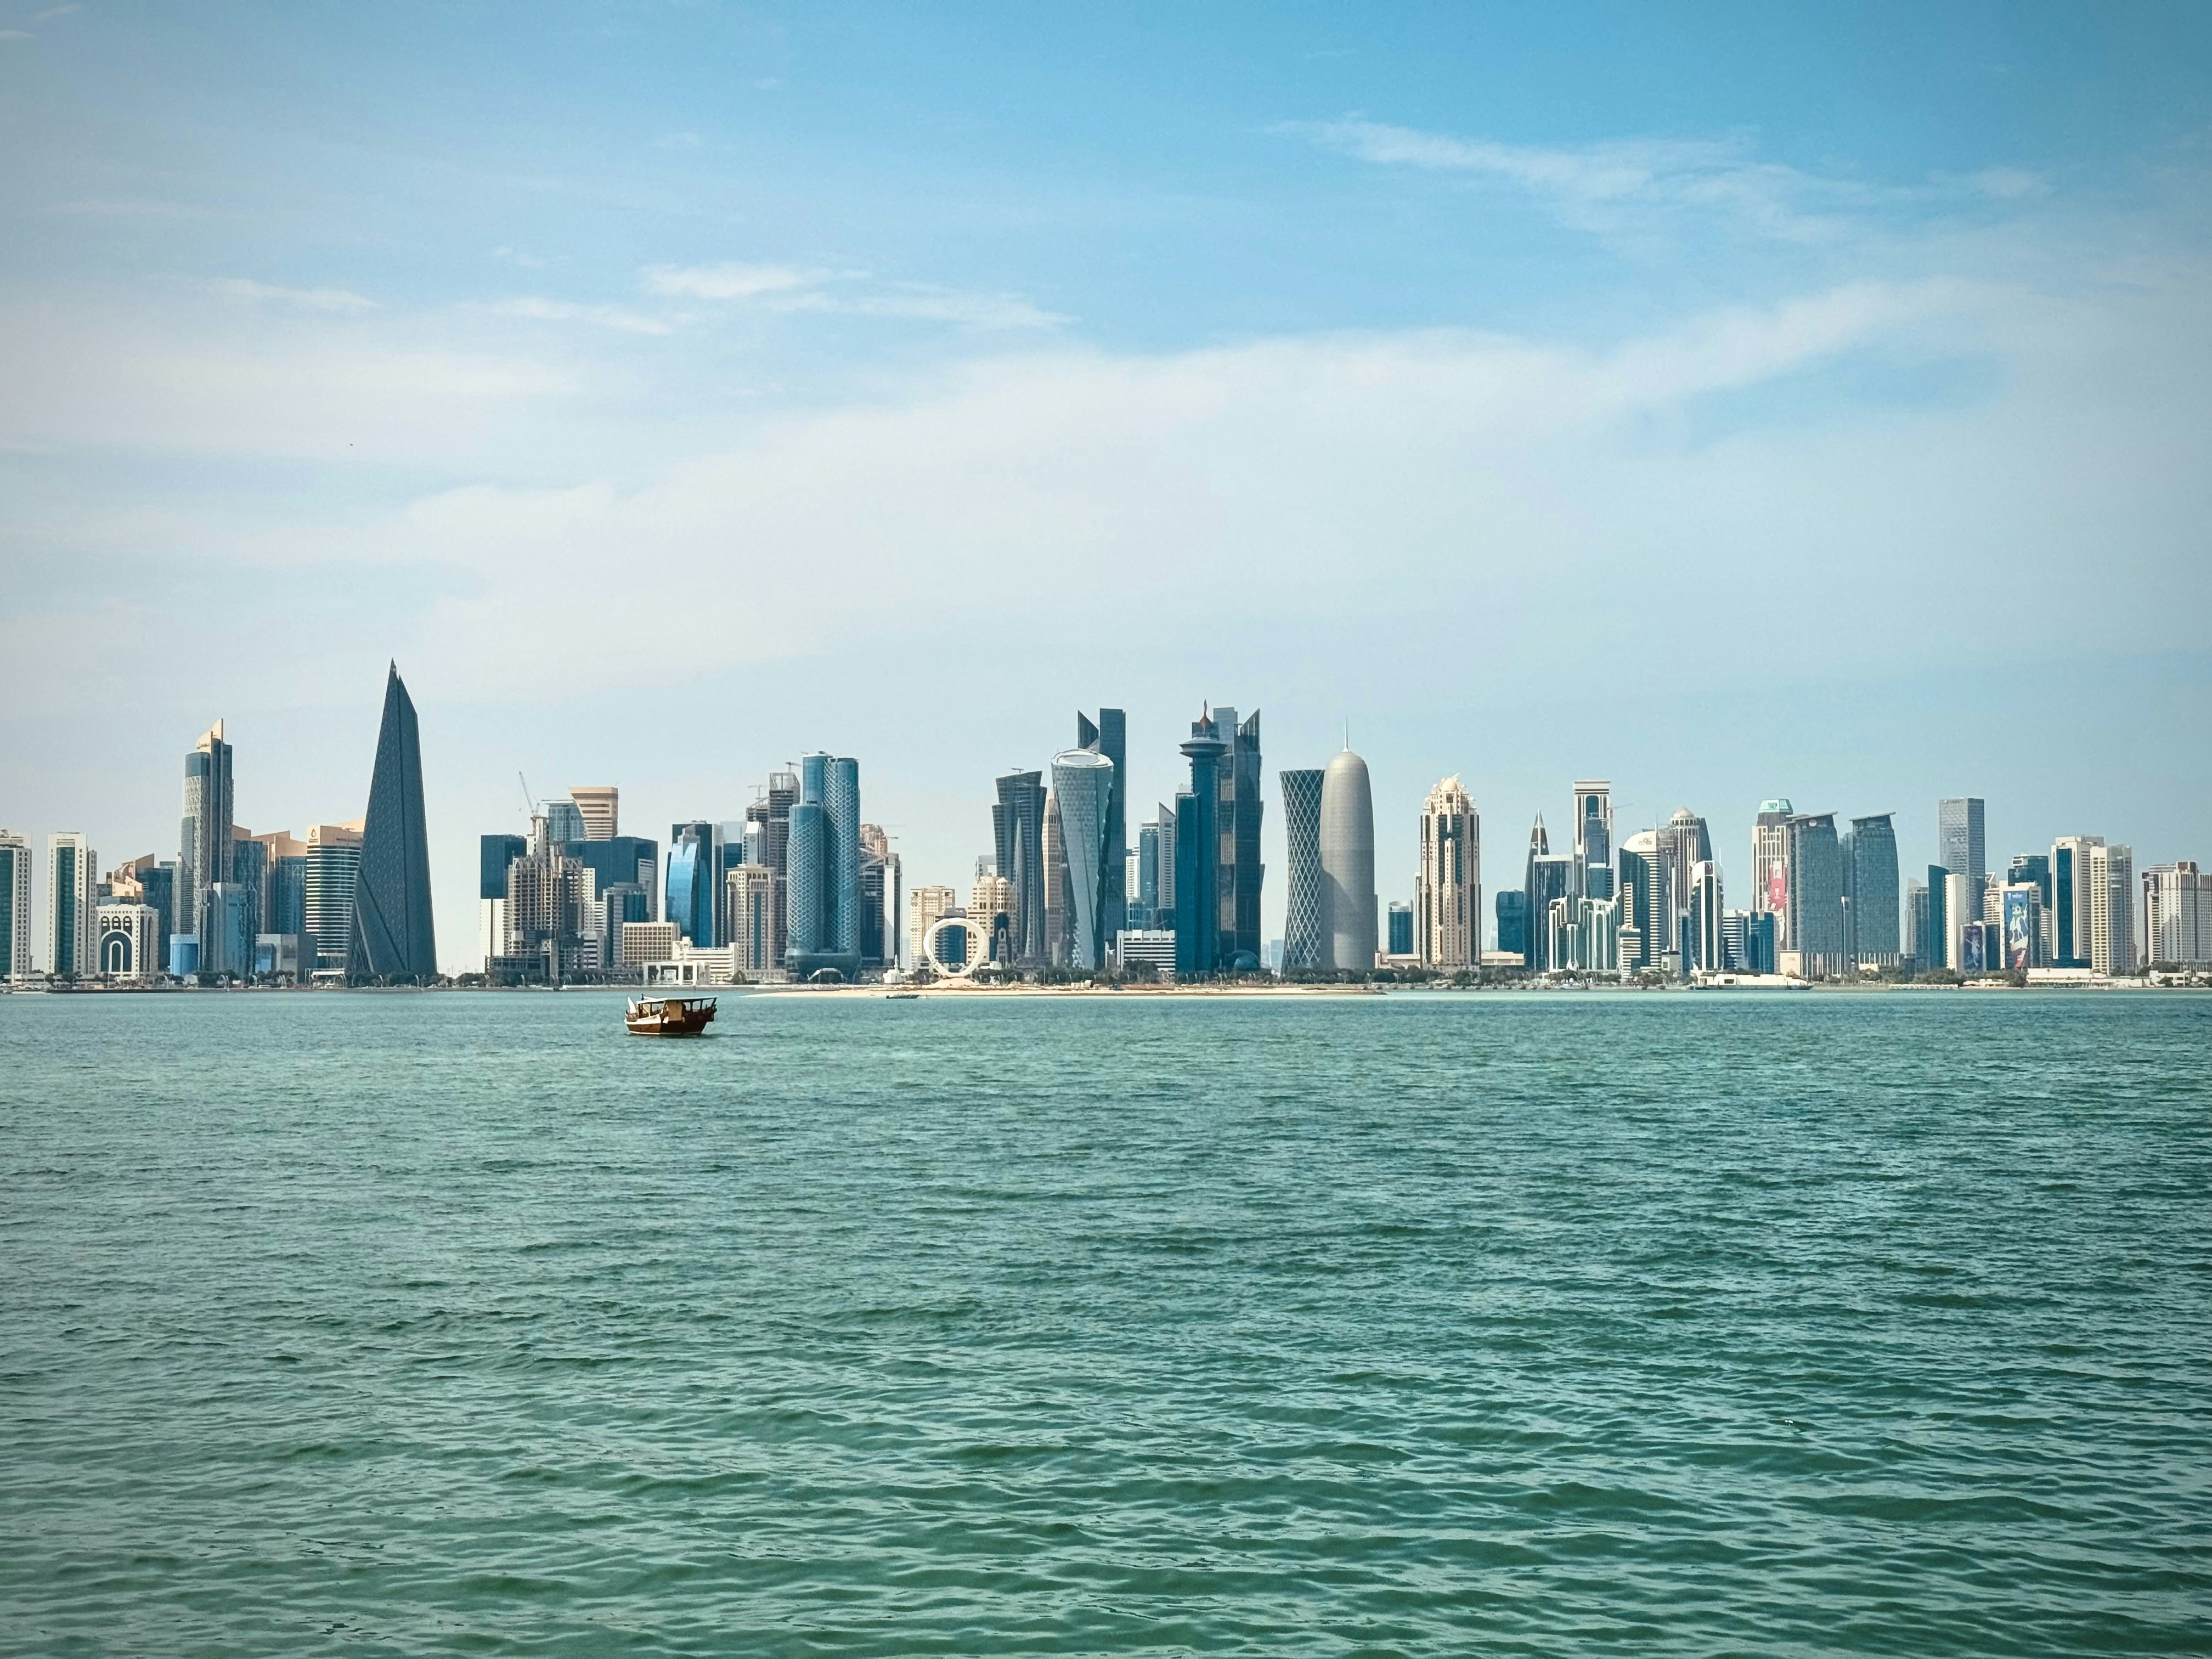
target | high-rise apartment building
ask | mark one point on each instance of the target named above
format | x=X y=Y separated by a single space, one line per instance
x=990 y=915
x=1083 y=784
x=1448 y=887
x=1346 y=842
x=750 y=903
x=494 y=854
x=1594 y=837
x=14 y=906
x=326 y=893
x=204 y=850
x=1960 y=843
x=553 y=917
x=600 y=805
x=2112 y=910
x=1709 y=948
x=394 y=938
x=1872 y=874
x=1646 y=905
x=1108 y=736
x=1813 y=924
x=2072 y=896
x=1304 y=945
x=1770 y=865
x=72 y=927
x=2177 y=918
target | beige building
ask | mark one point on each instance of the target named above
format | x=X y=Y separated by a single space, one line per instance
x=597 y=804
x=925 y=907
x=748 y=898
x=989 y=896
x=1448 y=889
x=644 y=942
x=2112 y=910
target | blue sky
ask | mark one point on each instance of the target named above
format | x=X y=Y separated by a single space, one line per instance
x=1732 y=401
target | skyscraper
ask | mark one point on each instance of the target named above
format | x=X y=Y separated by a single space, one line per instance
x=2071 y=899
x=564 y=822
x=823 y=887
x=1108 y=736
x=1513 y=923
x=1708 y=919
x=1550 y=878
x=2111 y=909
x=1770 y=866
x=1145 y=902
x=1594 y=837
x=14 y=906
x=750 y=904
x=1304 y=945
x=1055 y=886
x=1398 y=938
x=694 y=866
x=1873 y=879
x=1018 y=837
x=1685 y=842
x=1347 y=842
x=1918 y=934
x=1814 y=920
x=494 y=854
x=1082 y=784
x=1645 y=904
x=393 y=937
x=600 y=805
x=1448 y=888
x=1238 y=815
x=72 y=926
x=2177 y=914
x=1198 y=863
x=204 y=848
x=1959 y=843
x=326 y=896
x=1961 y=910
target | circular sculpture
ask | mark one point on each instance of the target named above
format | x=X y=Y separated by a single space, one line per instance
x=979 y=949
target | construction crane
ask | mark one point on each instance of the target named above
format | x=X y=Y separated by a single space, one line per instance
x=529 y=800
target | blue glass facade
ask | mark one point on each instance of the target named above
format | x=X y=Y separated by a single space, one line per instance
x=1939 y=930
x=1198 y=867
x=694 y=864
x=621 y=860
x=1399 y=921
x=1513 y=923
x=494 y=854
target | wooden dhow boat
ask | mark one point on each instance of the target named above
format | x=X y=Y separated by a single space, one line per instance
x=669 y=1016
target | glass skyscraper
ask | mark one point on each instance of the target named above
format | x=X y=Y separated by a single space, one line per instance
x=1109 y=736
x=823 y=889
x=1083 y=784
x=393 y=936
x=1814 y=927
x=1304 y=945
x=1018 y=838
x=693 y=867
x=1960 y=843
x=204 y=845
x=1513 y=922
x=1873 y=882
x=1197 y=863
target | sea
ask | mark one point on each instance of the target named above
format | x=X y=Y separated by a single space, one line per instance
x=1485 y=1323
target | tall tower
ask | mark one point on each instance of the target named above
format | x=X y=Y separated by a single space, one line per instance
x=1814 y=922
x=2111 y=909
x=1198 y=861
x=1083 y=783
x=1594 y=838
x=1304 y=945
x=1448 y=890
x=1347 y=864
x=2071 y=899
x=1109 y=736
x=1018 y=837
x=1962 y=847
x=15 y=906
x=204 y=848
x=1770 y=865
x=72 y=927
x=599 y=804
x=1874 y=890
x=393 y=935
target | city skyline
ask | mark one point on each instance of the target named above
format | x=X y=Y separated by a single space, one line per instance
x=1678 y=844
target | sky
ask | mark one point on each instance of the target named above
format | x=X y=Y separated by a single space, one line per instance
x=1730 y=401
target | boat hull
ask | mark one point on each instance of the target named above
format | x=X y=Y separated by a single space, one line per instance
x=670 y=1019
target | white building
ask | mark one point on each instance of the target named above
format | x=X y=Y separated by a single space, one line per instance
x=129 y=946
x=2112 y=910
x=1155 y=946
x=925 y=907
x=14 y=906
x=72 y=926
x=327 y=887
x=1709 y=949
x=1448 y=888
x=750 y=910
x=1961 y=904
x=645 y=942
x=2177 y=914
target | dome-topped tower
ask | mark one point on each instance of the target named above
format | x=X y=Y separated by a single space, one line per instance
x=1347 y=864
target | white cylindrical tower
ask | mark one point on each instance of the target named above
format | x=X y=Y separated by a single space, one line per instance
x=1347 y=864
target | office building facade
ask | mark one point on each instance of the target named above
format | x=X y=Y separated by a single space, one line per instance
x=1871 y=870
x=1961 y=844
x=2176 y=915
x=600 y=805
x=1512 y=908
x=1813 y=924
x=203 y=843
x=2111 y=909
x=2072 y=899
x=1108 y=737
x=327 y=884
x=1197 y=863
x=1083 y=784
x=1018 y=837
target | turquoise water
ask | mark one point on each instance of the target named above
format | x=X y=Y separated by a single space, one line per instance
x=1556 y=1324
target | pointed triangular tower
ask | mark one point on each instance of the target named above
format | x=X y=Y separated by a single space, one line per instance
x=393 y=938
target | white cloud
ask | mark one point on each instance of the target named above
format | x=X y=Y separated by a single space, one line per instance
x=727 y=281
x=536 y=308
x=306 y=298
x=981 y=311
x=14 y=34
